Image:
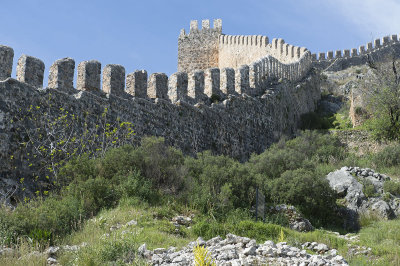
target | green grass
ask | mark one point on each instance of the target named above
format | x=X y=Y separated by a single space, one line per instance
x=118 y=246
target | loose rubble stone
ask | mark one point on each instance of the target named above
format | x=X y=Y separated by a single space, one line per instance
x=236 y=250
x=296 y=220
x=131 y=223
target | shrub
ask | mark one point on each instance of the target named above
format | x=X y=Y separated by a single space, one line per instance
x=219 y=184
x=305 y=151
x=369 y=188
x=389 y=156
x=41 y=220
x=161 y=164
x=305 y=190
x=392 y=187
x=134 y=185
x=94 y=194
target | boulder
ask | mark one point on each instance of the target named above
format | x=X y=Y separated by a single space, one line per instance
x=348 y=183
x=344 y=183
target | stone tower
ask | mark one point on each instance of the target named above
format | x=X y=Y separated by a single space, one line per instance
x=199 y=48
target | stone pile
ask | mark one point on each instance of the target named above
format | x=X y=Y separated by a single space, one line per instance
x=236 y=250
x=179 y=221
x=375 y=178
x=296 y=220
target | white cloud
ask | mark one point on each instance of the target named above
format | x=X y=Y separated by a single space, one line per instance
x=375 y=17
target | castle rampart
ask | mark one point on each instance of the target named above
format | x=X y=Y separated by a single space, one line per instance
x=376 y=50
x=235 y=51
x=207 y=48
x=180 y=108
x=236 y=110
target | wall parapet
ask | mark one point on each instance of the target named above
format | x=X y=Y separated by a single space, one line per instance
x=356 y=52
x=192 y=87
x=205 y=27
x=244 y=40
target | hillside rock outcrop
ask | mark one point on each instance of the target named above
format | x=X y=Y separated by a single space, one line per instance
x=352 y=184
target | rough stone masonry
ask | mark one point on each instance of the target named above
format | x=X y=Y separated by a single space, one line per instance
x=251 y=111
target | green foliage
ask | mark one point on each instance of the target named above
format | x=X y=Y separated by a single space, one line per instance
x=293 y=172
x=308 y=191
x=111 y=251
x=288 y=172
x=341 y=120
x=93 y=184
x=219 y=184
x=382 y=99
x=42 y=221
x=389 y=156
x=305 y=151
x=368 y=188
x=94 y=194
x=392 y=187
x=281 y=237
x=210 y=228
x=381 y=127
x=40 y=237
x=134 y=185
x=161 y=164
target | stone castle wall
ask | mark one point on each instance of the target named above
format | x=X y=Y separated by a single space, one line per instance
x=338 y=60
x=235 y=51
x=199 y=48
x=249 y=116
x=210 y=48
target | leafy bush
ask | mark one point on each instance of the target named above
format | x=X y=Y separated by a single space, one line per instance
x=94 y=184
x=305 y=151
x=94 y=194
x=161 y=165
x=134 y=185
x=42 y=221
x=392 y=187
x=389 y=156
x=219 y=184
x=368 y=188
x=305 y=190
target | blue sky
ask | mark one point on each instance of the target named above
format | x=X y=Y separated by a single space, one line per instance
x=143 y=34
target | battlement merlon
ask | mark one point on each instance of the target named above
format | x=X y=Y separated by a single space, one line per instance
x=205 y=27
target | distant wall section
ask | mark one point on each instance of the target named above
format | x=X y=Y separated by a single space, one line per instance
x=235 y=51
x=378 y=51
x=199 y=48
